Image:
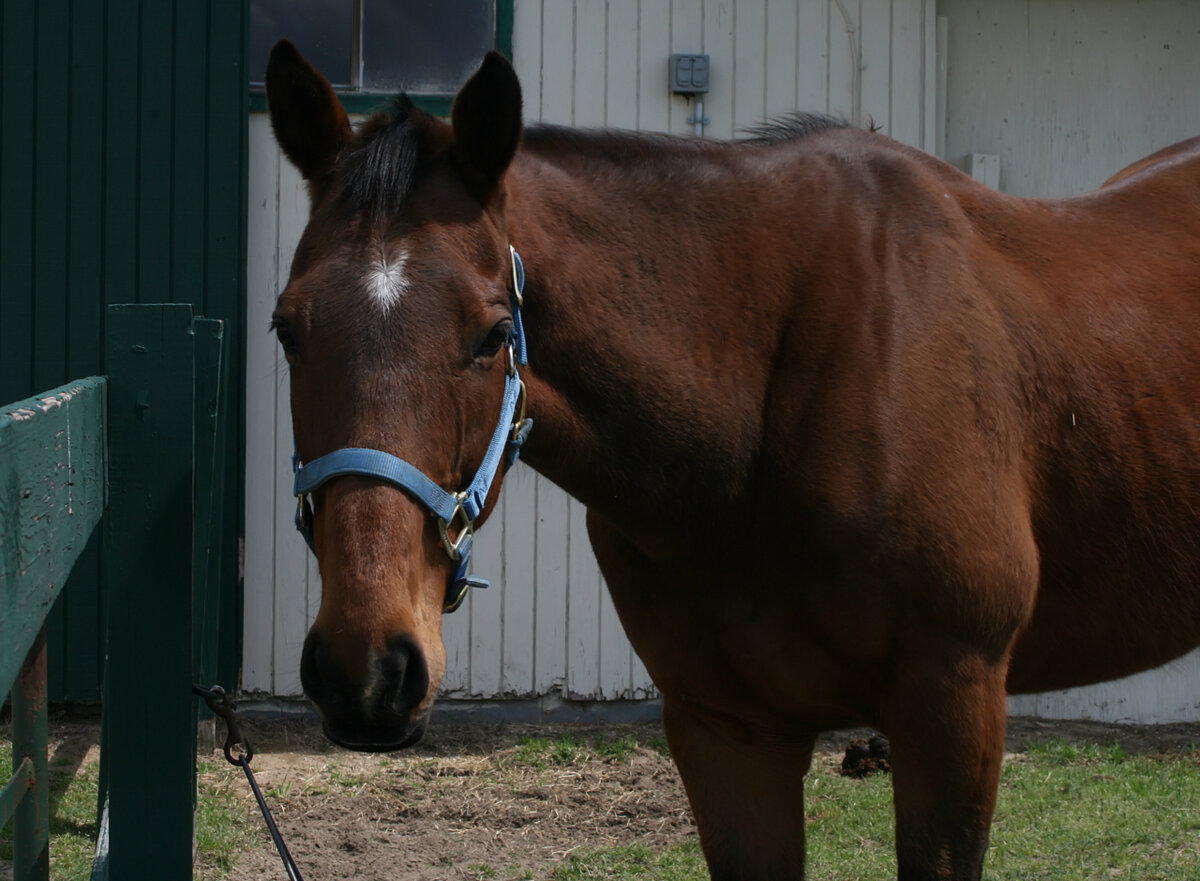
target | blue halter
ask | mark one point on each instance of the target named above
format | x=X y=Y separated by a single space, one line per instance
x=455 y=511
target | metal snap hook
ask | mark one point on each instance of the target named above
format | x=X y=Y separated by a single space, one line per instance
x=518 y=273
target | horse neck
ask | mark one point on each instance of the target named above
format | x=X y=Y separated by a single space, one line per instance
x=651 y=330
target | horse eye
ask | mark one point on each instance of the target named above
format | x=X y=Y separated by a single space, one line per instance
x=496 y=338
x=284 y=334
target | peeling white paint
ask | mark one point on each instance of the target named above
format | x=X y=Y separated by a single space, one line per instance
x=44 y=405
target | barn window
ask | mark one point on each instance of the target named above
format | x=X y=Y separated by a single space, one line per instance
x=425 y=47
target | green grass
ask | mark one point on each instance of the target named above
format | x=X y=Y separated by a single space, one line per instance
x=222 y=830
x=1068 y=812
x=72 y=817
x=542 y=753
x=683 y=863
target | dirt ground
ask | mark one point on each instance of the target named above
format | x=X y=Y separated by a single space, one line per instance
x=490 y=801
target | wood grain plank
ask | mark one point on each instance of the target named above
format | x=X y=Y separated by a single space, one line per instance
x=583 y=609
x=717 y=41
x=750 y=72
x=654 y=101
x=908 y=73
x=812 y=56
x=148 y=743
x=845 y=52
x=558 y=64
x=527 y=54
x=551 y=587
x=487 y=611
x=75 y=649
x=615 y=674
x=875 y=41
x=518 y=583
x=53 y=468
x=261 y=379
x=590 y=82
x=52 y=84
x=155 y=128
x=621 y=100
x=779 y=57
x=17 y=329
x=297 y=584
x=687 y=35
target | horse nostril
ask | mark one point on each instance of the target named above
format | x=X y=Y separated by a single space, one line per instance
x=371 y=713
x=405 y=674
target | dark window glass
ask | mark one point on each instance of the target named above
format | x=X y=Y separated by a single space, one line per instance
x=429 y=46
x=424 y=45
x=323 y=31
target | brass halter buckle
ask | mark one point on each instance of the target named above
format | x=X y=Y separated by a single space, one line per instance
x=466 y=528
x=518 y=414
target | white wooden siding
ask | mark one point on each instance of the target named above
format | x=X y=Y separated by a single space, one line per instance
x=1168 y=694
x=547 y=624
x=1066 y=94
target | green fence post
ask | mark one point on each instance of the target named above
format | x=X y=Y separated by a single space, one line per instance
x=148 y=757
x=30 y=729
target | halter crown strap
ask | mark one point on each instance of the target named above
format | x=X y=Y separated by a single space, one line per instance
x=454 y=510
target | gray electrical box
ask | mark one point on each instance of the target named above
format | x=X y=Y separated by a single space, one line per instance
x=689 y=74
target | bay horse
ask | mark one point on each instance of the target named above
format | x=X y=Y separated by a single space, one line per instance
x=862 y=442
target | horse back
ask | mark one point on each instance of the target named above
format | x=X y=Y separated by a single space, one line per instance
x=1186 y=150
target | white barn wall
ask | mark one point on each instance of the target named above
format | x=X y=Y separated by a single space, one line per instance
x=1066 y=94
x=547 y=624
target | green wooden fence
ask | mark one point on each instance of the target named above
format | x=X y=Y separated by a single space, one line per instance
x=123 y=135
x=52 y=493
x=144 y=441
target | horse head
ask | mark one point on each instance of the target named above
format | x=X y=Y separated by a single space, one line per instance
x=400 y=326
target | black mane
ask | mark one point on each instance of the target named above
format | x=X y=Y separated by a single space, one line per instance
x=792 y=126
x=380 y=168
x=789 y=127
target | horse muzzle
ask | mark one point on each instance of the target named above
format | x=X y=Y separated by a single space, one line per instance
x=377 y=711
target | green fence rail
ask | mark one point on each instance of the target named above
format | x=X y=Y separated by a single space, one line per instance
x=145 y=443
x=52 y=494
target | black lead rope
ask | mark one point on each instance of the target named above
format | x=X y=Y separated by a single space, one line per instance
x=218 y=701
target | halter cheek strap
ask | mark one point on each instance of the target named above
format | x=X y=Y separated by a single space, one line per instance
x=456 y=512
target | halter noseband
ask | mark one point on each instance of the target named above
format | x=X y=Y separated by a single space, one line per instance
x=455 y=511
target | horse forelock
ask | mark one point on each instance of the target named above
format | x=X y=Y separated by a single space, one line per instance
x=380 y=168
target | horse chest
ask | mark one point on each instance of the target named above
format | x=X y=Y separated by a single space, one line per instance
x=776 y=640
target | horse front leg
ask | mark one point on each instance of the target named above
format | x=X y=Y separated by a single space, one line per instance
x=746 y=789
x=944 y=715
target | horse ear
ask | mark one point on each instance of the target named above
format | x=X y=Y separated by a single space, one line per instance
x=309 y=122
x=487 y=121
